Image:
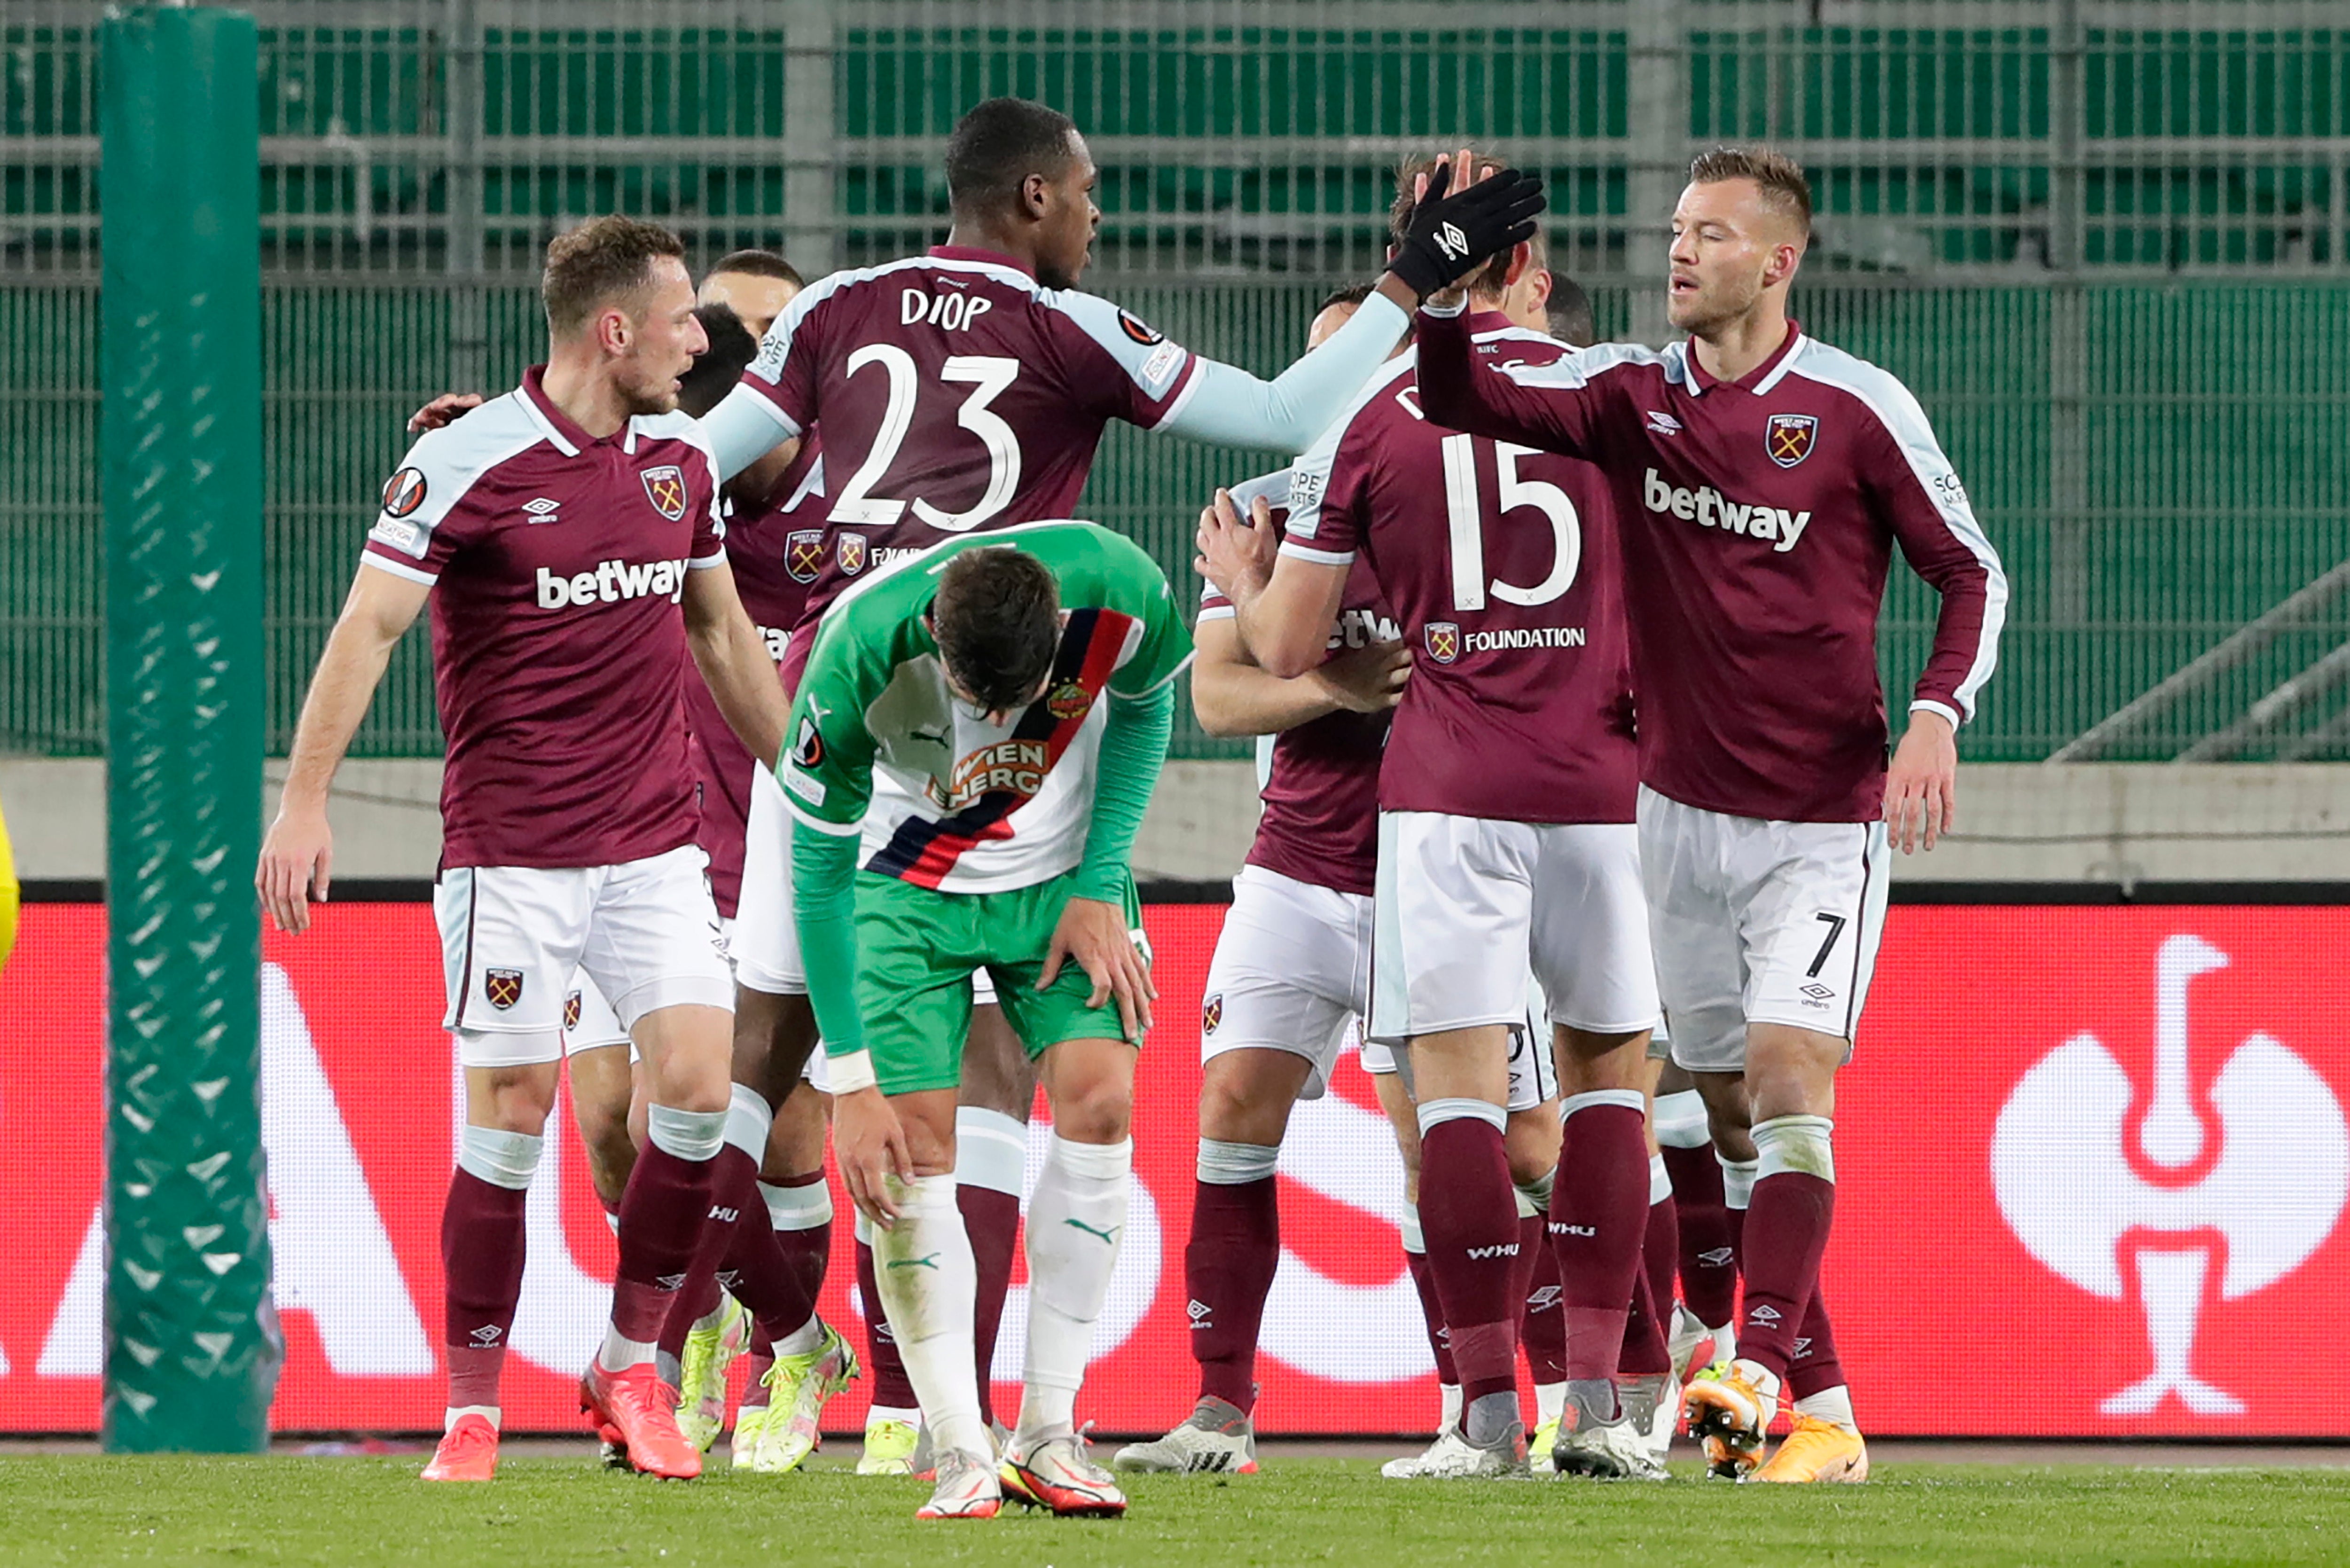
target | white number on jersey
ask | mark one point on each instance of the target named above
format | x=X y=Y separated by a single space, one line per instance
x=988 y=376
x=1467 y=524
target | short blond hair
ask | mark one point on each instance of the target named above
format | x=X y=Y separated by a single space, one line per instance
x=600 y=263
x=1779 y=177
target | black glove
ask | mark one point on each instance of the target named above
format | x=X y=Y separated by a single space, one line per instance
x=1452 y=236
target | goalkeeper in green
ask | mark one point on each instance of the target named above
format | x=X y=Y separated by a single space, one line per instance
x=974 y=742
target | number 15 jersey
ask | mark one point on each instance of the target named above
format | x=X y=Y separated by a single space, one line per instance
x=1500 y=566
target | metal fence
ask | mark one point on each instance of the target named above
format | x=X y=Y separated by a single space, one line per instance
x=2105 y=240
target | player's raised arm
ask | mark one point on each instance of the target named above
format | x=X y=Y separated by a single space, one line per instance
x=1283 y=602
x=1909 y=481
x=297 y=855
x=1456 y=233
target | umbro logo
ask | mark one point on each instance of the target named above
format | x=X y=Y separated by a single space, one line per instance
x=1663 y=424
x=1545 y=1297
x=1717 y=1257
x=488 y=1334
x=1451 y=241
x=1803 y=1346
x=542 y=510
x=669 y=1282
x=1818 y=992
x=1198 y=1312
x=1765 y=1313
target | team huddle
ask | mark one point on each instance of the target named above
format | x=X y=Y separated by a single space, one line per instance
x=1564 y=655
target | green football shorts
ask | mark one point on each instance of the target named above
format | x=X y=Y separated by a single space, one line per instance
x=916 y=949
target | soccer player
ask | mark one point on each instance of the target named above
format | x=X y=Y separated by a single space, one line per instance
x=571 y=517
x=1500 y=564
x=1290 y=980
x=973 y=744
x=966 y=390
x=1763 y=481
x=755 y=285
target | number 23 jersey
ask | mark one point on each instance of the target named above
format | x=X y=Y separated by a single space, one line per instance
x=1500 y=566
x=956 y=393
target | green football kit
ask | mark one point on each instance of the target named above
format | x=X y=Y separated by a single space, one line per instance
x=929 y=842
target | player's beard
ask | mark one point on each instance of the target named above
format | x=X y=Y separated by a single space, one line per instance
x=1714 y=306
x=653 y=397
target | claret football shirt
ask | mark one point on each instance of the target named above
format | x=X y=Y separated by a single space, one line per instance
x=557 y=563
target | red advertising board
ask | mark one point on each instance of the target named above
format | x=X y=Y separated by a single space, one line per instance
x=2087 y=1157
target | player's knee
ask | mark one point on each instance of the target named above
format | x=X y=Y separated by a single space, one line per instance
x=795 y=1139
x=1532 y=1143
x=1094 y=1110
x=511 y=1098
x=1245 y=1095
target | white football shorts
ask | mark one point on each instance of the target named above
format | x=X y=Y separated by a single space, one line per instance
x=1760 y=922
x=1534 y=1072
x=589 y=1021
x=1468 y=907
x=512 y=936
x=1291 y=972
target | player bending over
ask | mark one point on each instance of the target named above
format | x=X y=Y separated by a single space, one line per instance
x=973 y=743
x=1763 y=481
x=568 y=803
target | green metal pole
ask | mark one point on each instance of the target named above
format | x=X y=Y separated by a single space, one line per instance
x=191 y=1338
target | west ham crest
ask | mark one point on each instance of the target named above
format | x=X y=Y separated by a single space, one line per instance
x=1211 y=1013
x=665 y=488
x=503 y=987
x=571 y=1011
x=1444 y=639
x=1789 y=438
x=850 y=549
x=804 y=553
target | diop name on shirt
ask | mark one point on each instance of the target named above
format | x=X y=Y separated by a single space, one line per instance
x=611 y=582
x=1708 y=508
x=1016 y=765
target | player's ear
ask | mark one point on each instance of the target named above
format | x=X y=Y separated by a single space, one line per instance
x=1035 y=196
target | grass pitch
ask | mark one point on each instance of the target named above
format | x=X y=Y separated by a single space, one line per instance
x=353 y=1512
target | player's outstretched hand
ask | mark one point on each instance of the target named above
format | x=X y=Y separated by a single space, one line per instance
x=870 y=1146
x=1368 y=679
x=1458 y=225
x=296 y=860
x=1095 y=934
x=1921 y=788
x=445 y=409
x=1236 y=555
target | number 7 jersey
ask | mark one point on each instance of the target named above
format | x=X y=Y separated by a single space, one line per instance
x=1500 y=564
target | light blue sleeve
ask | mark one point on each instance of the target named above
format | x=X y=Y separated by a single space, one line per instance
x=1232 y=407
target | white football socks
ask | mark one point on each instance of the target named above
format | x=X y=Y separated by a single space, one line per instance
x=1076 y=1218
x=929 y=1283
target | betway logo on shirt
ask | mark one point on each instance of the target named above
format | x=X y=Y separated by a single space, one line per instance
x=1016 y=765
x=611 y=582
x=1708 y=508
